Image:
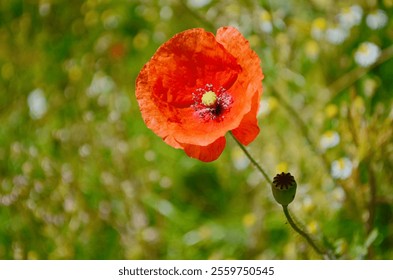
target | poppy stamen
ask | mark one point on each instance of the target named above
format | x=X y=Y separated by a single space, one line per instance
x=209 y=98
x=211 y=103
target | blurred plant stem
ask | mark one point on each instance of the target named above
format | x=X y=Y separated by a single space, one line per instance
x=368 y=161
x=351 y=77
x=306 y=236
x=371 y=206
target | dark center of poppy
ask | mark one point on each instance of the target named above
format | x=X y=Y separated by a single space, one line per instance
x=211 y=103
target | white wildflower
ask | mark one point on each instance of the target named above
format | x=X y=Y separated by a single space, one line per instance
x=198 y=3
x=265 y=22
x=336 y=35
x=329 y=139
x=367 y=54
x=376 y=19
x=166 y=13
x=350 y=16
x=342 y=168
x=100 y=84
x=85 y=150
x=37 y=103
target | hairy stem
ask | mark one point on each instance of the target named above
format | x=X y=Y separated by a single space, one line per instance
x=256 y=164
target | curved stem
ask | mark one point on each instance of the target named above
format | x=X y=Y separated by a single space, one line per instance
x=304 y=234
x=256 y=164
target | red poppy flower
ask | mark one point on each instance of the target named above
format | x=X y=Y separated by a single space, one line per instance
x=197 y=87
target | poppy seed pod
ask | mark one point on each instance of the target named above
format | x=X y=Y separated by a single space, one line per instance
x=284 y=188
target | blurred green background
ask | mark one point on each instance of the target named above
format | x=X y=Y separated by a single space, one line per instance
x=81 y=177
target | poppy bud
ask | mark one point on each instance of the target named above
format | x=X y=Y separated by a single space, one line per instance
x=284 y=188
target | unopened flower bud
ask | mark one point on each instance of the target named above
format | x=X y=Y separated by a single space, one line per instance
x=284 y=188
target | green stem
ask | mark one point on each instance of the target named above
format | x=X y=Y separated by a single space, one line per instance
x=256 y=164
x=304 y=234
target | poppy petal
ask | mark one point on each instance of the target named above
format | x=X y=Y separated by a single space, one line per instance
x=249 y=82
x=238 y=46
x=206 y=153
x=248 y=129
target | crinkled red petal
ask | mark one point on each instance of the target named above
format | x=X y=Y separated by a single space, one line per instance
x=206 y=153
x=248 y=129
x=248 y=86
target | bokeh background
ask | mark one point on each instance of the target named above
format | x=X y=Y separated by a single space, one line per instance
x=81 y=177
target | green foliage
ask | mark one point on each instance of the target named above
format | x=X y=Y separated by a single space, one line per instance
x=81 y=177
